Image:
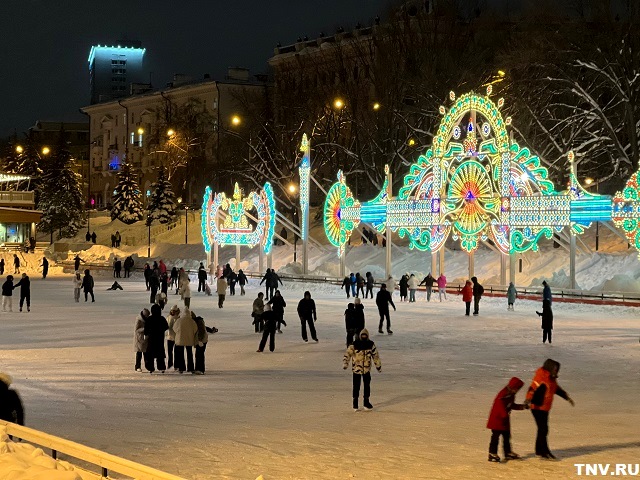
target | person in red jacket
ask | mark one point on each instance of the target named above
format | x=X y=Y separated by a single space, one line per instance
x=540 y=398
x=499 y=423
x=467 y=296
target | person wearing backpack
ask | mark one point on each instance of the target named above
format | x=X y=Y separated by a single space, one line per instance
x=478 y=290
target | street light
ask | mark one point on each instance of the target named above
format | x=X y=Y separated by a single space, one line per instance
x=338 y=103
x=186 y=224
x=19 y=149
x=588 y=180
x=149 y=221
x=412 y=142
x=292 y=188
x=236 y=120
x=171 y=132
x=45 y=150
x=376 y=106
x=140 y=131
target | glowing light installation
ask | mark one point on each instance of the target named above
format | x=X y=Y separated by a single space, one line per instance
x=305 y=173
x=476 y=184
x=235 y=228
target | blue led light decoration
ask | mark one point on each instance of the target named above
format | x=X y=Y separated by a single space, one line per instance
x=305 y=173
x=225 y=222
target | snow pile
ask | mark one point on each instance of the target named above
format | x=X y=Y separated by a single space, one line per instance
x=23 y=461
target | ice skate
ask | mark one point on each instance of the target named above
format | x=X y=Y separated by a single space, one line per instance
x=389 y=332
x=512 y=456
x=139 y=370
x=494 y=458
x=355 y=404
x=367 y=405
x=380 y=331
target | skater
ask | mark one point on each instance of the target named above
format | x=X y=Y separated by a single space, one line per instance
x=359 y=285
x=353 y=282
x=116 y=286
x=221 y=289
x=117 y=268
x=87 y=285
x=186 y=330
x=7 y=294
x=94 y=237
x=307 y=314
x=113 y=240
x=350 y=322
x=540 y=399
x=154 y=286
x=266 y=280
x=11 y=409
x=512 y=294
x=383 y=299
x=140 y=342
x=546 y=292
x=232 y=279
x=174 y=279
x=273 y=283
x=361 y=354
x=478 y=290
x=146 y=272
x=1 y=266
x=161 y=299
x=45 y=267
x=202 y=277
x=391 y=285
x=162 y=267
x=499 y=423
x=277 y=307
x=442 y=286
x=364 y=235
x=257 y=311
x=164 y=287
x=128 y=266
x=184 y=288
x=16 y=264
x=346 y=284
x=154 y=328
x=370 y=283
x=547 y=320
x=25 y=291
x=76 y=263
x=172 y=318
x=77 y=285
x=269 y=332
x=202 y=337
x=404 y=286
x=412 y=283
x=87 y=237
x=467 y=296
x=358 y=316
x=242 y=281
x=118 y=239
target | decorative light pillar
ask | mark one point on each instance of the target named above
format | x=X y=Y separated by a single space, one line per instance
x=387 y=230
x=305 y=173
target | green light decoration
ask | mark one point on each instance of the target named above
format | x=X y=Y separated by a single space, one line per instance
x=476 y=184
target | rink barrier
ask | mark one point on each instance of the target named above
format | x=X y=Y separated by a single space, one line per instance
x=105 y=461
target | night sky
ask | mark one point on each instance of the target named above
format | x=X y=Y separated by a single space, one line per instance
x=45 y=44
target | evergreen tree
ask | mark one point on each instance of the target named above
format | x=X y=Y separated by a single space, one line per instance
x=61 y=198
x=162 y=206
x=27 y=162
x=126 y=201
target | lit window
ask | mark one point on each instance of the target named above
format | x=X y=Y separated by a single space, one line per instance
x=140 y=140
x=133 y=138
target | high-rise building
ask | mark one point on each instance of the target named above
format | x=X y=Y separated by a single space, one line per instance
x=113 y=69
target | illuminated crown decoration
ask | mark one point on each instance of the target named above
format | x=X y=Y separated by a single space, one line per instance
x=225 y=220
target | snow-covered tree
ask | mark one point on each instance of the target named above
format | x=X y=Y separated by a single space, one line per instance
x=61 y=198
x=162 y=206
x=24 y=162
x=126 y=201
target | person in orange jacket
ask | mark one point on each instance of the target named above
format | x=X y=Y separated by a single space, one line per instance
x=499 y=423
x=467 y=296
x=540 y=399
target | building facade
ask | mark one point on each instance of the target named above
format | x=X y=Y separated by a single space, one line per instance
x=18 y=216
x=112 y=70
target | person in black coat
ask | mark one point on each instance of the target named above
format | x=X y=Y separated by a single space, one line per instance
x=428 y=282
x=272 y=282
x=369 y=283
x=94 y=237
x=202 y=277
x=547 y=320
x=350 y=322
x=25 y=291
x=478 y=290
x=242 y=281
x=346 y=284
x=404 y=286
x=266 y=280
x=307 y=314
x=76 y=263
x=7 y=294
x=154 y=328
x=147 y=272
x=45 y=267
x=358 y=317
x=269 y=332
x=87 y=285
x=278 y=305
x=117 y=268
x=11 y=409
x=154 y=285
x=16 y=264
x=232 y=279
x=128 y=265
x=383 y=299
x=1 y=266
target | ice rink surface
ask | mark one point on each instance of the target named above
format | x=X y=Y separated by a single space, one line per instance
x=287 y=415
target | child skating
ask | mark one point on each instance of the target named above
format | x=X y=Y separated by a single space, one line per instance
x=499 y=420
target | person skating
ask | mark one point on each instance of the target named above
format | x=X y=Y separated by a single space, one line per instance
x=186 y=330
x=277 y=307
x=269 y=331
x=147 y=272
x=242 y=281
x=164 y=283
x=77 y=286
x=128 y=266
x=11 y=408
x=273 y=283
x=499 y=420
x=544 y=387
x=94 y=237
x=174 y=279
x=257 y=311
x=362 y=353
x=512 y=294
x=391 y=285
x=359 y=285
x=232 y=279
x=478 y=290
x=467 y=296
x=154 y=286
x=87 y=285
x=154 y=328
x=140 y=342
x=117 y=268
x=412 y=283
x=308 y=316
x=547 y=320
x=1 y=266
x=546 y=292
x=7 y=294
x=87 y=237
x=172 y=318
x=266 y=280
x=16 y=264
x=116 y=286
x=25 y=291
x=383 y=299
x=404 y=286
x=184 y=288
x=358 y=316
x=370 y=283
x=221 y=289
x=45 y=267
x=442 y=286
x=76 y=263
x=162 y=267
x=350 y=322
x=353 y=282
x=346 y=284
x=202 y=277
x=202 y=337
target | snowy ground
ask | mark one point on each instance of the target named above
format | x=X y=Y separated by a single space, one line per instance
x=287 y=415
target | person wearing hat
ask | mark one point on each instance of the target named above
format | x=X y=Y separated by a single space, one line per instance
x=271 y=320
x=154 y=328
x=546 y=292
x=383 y=299
x=140 y=342
x=361 y=354
x=499 y=423
x=173 y=316
x=185 y=329
x=11 y=409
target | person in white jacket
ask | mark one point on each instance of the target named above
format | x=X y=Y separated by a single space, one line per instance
x=173 y=316
x=391 y=285
x=77 y=286
x=221 y=287
x=413 y=286
x=185 y=292
x=139 y=340
x=186 y=330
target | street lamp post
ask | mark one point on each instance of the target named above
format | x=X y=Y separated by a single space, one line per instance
x=149 y=238
x=186 y=224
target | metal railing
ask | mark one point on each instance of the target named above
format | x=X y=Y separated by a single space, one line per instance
x=105 y=461
x=17 y=198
